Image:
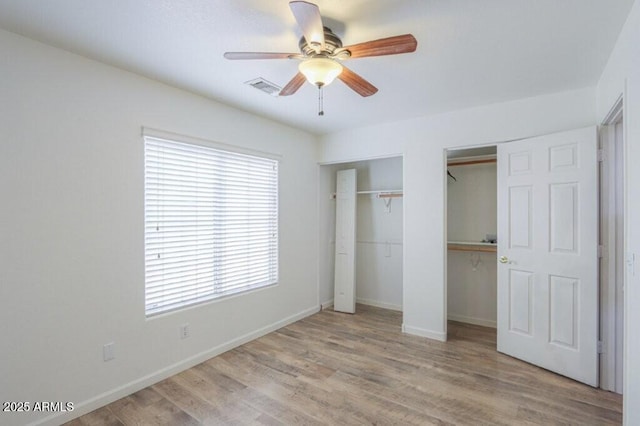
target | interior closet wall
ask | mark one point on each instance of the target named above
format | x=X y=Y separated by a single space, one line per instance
x=471 y=215
x=378 y=233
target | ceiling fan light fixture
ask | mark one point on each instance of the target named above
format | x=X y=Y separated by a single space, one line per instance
x=320 y=71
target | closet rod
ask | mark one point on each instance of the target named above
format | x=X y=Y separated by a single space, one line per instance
x=389 y=193
x=469 y=162
x=382 y=191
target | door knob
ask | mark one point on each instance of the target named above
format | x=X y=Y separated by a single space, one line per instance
x=504 y=259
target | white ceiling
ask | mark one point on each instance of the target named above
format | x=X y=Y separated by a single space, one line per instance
x=470 y=52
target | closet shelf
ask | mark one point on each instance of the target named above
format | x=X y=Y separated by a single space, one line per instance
x=467 y=161
x=472 y=246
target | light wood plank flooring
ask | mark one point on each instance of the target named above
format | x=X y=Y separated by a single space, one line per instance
x=342 y=369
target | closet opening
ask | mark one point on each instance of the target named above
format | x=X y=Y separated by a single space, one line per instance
x=471 y=260
x=378 y=245
x=471 y=235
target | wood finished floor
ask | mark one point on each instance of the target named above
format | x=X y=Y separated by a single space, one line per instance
x=342 y=369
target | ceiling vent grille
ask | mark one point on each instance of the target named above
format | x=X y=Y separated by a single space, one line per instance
x=265 y=86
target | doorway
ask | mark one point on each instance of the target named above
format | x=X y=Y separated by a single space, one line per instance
x=472 y=236
x=547 y=287
x=379 y=232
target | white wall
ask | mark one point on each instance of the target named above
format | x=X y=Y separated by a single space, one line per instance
x=471 y=215
x=422 y=142
x=622 y=77
x=472 y=284
x=71 y=227
x=472 y=206
x=378 y=233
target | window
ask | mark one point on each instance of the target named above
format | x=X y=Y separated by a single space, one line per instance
x=211 y=223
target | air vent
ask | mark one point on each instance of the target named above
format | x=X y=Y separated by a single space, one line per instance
x=266 y=86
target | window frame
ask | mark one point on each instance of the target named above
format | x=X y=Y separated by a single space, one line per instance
x=270 y=227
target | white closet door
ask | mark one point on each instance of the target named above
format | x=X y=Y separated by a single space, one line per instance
x=345 y=275
x=547 y=251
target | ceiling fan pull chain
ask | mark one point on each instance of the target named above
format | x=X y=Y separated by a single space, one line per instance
x=320 y=99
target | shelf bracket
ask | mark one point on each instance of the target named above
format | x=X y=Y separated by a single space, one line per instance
x=387 y=197
x=387 y=204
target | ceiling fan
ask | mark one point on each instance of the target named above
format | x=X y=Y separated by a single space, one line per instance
x=321 y=53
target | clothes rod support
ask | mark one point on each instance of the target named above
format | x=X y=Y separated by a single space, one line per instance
x=387 y=203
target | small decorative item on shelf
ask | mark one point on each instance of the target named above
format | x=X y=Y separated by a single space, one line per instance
x=490 y=238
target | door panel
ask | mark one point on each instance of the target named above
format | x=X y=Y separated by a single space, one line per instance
x=520 y=302
x=563 y=217
x=547 y=247
x=344 y=299
x=520 y=217
x=563 y=300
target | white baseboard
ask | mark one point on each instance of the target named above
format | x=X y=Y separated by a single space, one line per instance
x=429 y=334
x=108 y=397
x=329 y=304
x=472 y=320
x=326 y=305
x=378 y=304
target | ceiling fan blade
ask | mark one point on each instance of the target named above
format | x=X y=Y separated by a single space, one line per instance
x=385 y=46
x=293 y=86
x=260 y=55
x=310 y=22
x=357 y=83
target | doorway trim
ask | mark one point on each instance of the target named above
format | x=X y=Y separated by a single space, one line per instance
x=613 y=202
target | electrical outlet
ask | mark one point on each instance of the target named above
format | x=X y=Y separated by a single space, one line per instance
x=184 y=331
x=108 y=352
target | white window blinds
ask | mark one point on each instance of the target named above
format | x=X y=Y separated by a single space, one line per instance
x=211 y=223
